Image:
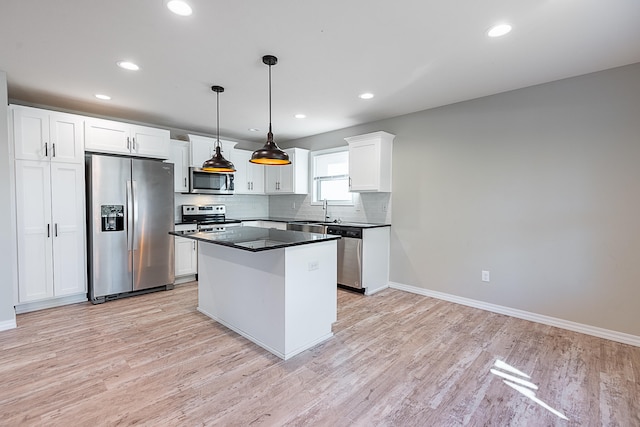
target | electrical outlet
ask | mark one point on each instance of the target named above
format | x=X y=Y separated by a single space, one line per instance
x=486 y=277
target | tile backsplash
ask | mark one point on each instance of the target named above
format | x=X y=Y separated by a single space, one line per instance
x=367 y=207
x=238 y=206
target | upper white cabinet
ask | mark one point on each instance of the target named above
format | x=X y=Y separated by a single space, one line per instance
x=179 y=156
x=108 y=136
x=47 y=135
x=289 y=179
x=50 y=230
x=249 y=177
x=370 y=162
x=202 y=149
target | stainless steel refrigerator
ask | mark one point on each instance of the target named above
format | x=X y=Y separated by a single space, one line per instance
x=129 y=215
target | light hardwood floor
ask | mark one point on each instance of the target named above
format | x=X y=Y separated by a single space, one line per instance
x=396 y=359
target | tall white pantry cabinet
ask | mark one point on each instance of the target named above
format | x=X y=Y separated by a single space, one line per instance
x=50 y=196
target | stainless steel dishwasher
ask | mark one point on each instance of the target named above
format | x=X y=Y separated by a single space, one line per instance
x=349 y=255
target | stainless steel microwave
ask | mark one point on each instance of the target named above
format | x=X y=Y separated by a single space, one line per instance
x=203 y=182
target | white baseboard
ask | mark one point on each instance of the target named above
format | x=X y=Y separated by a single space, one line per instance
x=8 y=324
x=526 y=315
x=49 y=303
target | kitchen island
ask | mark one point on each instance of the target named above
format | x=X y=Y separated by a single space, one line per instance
x=274 y=287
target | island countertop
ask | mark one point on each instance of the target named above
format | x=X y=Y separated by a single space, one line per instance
x=256 y=239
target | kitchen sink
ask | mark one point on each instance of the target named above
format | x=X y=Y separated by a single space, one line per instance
x=307 y=226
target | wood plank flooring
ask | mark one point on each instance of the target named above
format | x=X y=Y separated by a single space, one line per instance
x=396 y=359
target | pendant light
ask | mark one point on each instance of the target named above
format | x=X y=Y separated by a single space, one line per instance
x=270 y=154
x=217 y=163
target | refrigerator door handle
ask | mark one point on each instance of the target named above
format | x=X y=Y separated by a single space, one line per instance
x=129 y=216
x=135 y=243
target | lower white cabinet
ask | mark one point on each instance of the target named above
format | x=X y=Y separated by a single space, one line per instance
x=50 y=230
x=266 y=224
x=186 y=253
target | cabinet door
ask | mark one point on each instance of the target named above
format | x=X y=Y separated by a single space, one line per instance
x=31 y=133
x=201 y=150
x=179 y=156
x=186 y=256
x=364 y=160
x=68 y=229
x=149 y=142
x=240 y=159
x=67 y=138
x=106 y=136
x=35 y=247
x=286 y=178
x=272 y=179
x=255 y=175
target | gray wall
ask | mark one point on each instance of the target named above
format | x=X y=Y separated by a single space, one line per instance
x=537 y=185
x=7 y=233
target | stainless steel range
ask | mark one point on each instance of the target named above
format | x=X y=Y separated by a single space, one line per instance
x=208 y=217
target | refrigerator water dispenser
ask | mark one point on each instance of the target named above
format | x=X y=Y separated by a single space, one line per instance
x=112 y=217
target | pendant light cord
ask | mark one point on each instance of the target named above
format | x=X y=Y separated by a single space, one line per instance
x=218 y=119
x=269 y=98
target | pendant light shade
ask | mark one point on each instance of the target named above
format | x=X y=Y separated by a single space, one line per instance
x=217 y=163
x=270 y=154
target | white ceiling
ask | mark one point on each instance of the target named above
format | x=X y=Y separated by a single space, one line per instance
x=413 y=54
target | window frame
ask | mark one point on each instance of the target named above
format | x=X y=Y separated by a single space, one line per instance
x=313 y=181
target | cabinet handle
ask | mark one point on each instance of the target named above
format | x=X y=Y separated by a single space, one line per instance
x=194 y=246
x=134 y=144
x=251 y=186
x=48 y=230
x=248 y=186
x=55 y=230
x=349 y=182
x=53 y=149
x=128 y=144
x=185 y=182
x=46 y=149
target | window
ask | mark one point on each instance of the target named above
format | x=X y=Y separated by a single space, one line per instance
x=331 y=176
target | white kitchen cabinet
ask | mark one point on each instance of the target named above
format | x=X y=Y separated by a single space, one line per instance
x=50 y=230
x=186 y=253
x=108 y=136
x=289 y=179
x=249 y=177
x=203 y=147
x=265 y=224
x=47 y=135
x=179 y=156
x=370 y=162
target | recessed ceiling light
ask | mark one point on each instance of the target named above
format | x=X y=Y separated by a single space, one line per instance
x=366 y=95
x=128 y=65
x=254 y=130
x=179 y=7
x=300 y=116
x=102 y=96
x=499 y=30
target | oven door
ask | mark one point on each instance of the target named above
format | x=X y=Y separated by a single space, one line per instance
x=203 y=182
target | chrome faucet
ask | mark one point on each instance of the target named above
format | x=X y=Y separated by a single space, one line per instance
x=325 y=207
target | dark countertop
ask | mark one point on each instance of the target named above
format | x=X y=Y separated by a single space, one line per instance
x=345 y=223
x=256 y=239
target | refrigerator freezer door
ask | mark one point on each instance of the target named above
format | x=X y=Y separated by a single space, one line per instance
x=110 y=260
x=153 y=213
